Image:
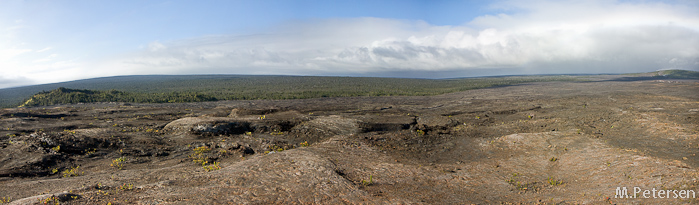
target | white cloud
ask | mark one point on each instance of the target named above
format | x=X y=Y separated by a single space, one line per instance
x=44 y=49
x=156 y=46
x=13 y=81
x=540 y=37
x=48 y=58
x=7 y=54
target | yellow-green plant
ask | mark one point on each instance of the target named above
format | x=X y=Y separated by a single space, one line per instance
x=56 y=148
x=126 y=186
x=90 y=151
x=276 y=132
x=118 y=163
x=555 y=182
x=512 y=178
x=212 y=167
x=370 y=182
x=277 y=148
x=73 y=171
x=5 y=200
x=199 y=155
x=106 y=193
x=200 y=150
x=50 y=200
x=522 y=186
x=304 y=144
x=420 y=132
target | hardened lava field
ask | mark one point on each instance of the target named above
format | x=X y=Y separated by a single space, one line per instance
x=547 y=143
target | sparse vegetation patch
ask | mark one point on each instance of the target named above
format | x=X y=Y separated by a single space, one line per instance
x=118 y=162
x=73 y=171
x=368 y=182
x=269 y=87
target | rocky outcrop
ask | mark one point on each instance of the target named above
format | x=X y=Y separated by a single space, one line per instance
x=435 y=123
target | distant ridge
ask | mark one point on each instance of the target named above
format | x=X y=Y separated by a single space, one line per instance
x=71 y=96
x=679 y=74
x=12 y=97
x=243 y=87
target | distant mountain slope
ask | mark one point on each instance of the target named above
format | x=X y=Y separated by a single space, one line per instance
x=11 y=97
x=680 y=74
x=164 y=88
x=71 y=96
x=242 y=87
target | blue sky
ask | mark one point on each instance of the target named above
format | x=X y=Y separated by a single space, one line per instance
x=54 y=41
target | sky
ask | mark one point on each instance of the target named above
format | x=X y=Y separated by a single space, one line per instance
x=55 y=41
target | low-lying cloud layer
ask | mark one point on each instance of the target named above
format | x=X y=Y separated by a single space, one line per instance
x=589 y=37
x=538 y=37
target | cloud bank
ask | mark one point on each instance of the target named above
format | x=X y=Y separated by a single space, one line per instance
x=539 y=37
x=544 y=37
